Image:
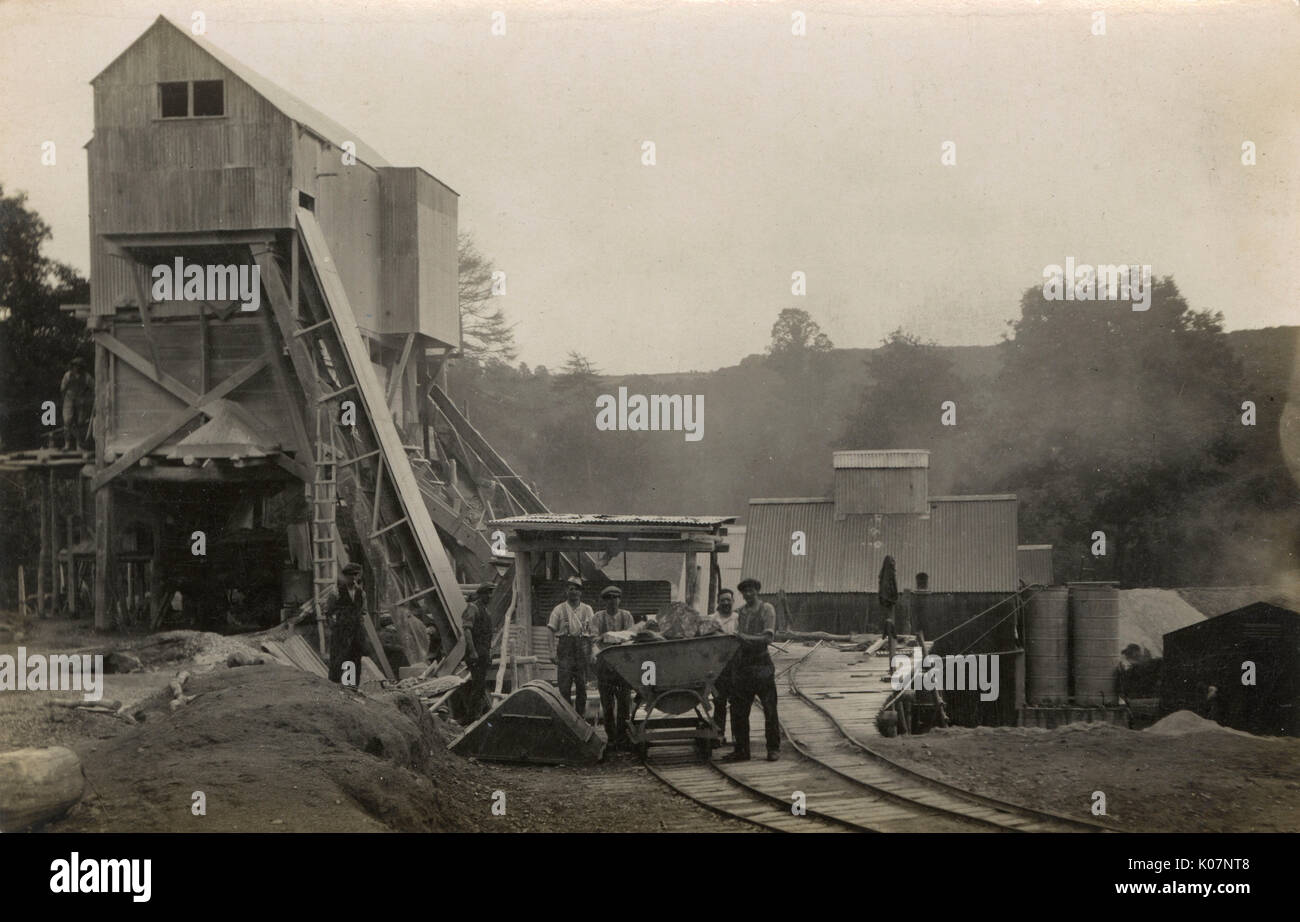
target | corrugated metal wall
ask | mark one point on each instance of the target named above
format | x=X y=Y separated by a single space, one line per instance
x=843 y=554
x=973 y=545
x=884 y=490
x=1034 y=563
x=640 y=597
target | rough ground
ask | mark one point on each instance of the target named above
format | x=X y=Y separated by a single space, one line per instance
x=1215 y=780
x=275 y=749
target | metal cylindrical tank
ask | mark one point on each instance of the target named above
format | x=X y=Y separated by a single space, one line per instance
x=1094 y=643
x=1047 y=646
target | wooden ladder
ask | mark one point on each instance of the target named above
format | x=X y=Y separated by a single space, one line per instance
x=324 y=502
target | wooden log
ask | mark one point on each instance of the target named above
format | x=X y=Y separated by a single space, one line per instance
x=111 y=704
x=38 y=785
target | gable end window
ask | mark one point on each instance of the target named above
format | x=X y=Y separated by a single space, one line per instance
x=191 y=99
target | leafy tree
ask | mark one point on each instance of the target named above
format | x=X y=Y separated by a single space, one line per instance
x=37 y=340
x=485 y=334
x=908 y=381
x=796 y=333
x=1119 y=421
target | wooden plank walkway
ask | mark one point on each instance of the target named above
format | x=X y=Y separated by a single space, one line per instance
x=827 y=703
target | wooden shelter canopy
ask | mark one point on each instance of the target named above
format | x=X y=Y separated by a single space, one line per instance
x=595 y=533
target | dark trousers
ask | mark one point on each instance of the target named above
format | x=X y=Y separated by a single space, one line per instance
x=571 y=670
x=722 y=691
x=76 y=416
x=477 y=686
x=615 y=704
x=345 y=647
x=749 y=682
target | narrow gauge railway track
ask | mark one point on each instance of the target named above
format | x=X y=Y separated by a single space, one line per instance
x=819 y=735
x=846 y=786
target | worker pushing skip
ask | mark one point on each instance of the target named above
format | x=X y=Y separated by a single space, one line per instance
x=343 y=614
x=570 y=622
x=615 y=694
x=754 y=674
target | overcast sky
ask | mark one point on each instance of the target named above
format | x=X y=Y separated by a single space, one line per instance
x=775 y=152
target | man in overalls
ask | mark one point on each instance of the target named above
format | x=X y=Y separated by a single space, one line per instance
x=754 y=675
x=570 y=622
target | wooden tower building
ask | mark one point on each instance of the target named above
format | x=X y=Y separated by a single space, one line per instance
x=296 y=428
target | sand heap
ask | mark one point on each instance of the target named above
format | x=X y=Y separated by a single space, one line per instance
x=1146 y=615
x=1181 y=723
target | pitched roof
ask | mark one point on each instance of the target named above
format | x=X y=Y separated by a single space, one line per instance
x=293 y=107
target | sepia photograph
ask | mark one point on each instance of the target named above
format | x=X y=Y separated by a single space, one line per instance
x=650 y=417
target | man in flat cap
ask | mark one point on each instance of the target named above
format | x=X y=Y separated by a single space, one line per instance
x=570 y=622
x=343 y=613
x=615 y=694
x=754 y=674
x=478 y=649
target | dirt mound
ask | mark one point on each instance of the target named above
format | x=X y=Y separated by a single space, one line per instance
x=274 y=749
x=1146 y=615
x=1181 y=723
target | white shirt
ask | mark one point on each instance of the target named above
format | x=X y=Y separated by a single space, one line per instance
x=568 y=621
x=728 y=623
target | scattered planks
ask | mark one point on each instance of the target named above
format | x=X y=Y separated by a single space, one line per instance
x=297 y=653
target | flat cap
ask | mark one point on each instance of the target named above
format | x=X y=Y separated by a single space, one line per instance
x=748 y=582
x=610 y=591
x=573 y=581
x=352 y=569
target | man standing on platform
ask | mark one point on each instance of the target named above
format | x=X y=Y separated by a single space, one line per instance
x=754 y=675
x=343 y=614
x=78 y=392
x=615 y=694
x=570 y=622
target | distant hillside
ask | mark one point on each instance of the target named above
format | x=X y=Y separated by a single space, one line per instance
x=765 y=434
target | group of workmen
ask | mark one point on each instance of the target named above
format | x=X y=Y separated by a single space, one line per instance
x=580 y=634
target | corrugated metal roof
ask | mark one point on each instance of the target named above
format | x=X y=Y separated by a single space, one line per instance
x=1034 y=563
x=890 y=457
x=973 y=544
x=283 y=100
x=844 y=554
x=975 y=498
x=550 y=520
